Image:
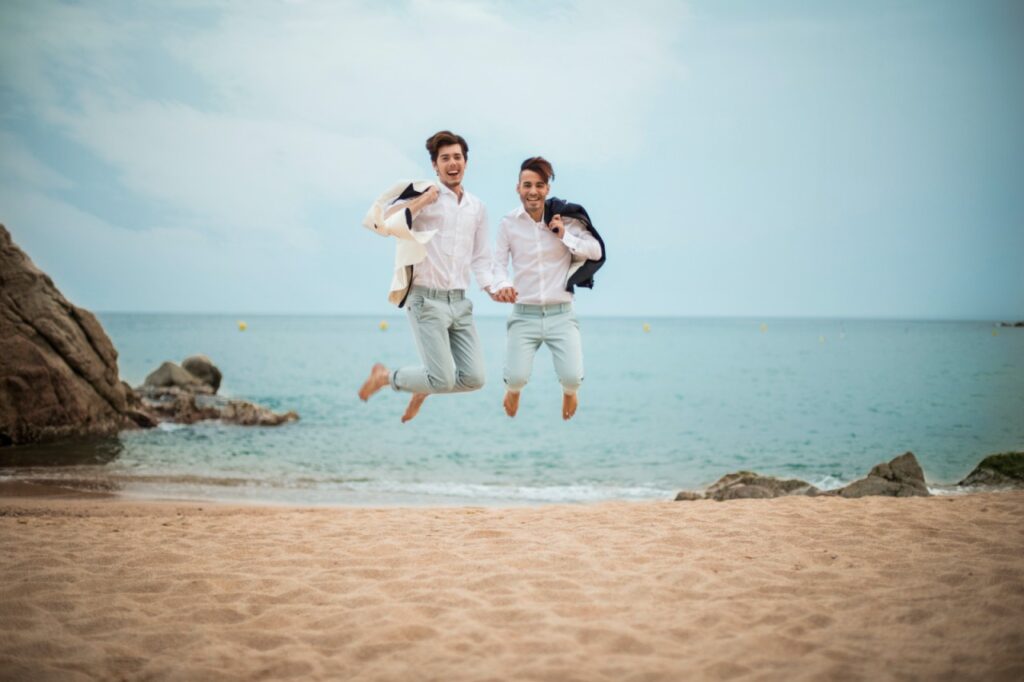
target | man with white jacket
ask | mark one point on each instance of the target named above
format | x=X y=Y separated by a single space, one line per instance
x=440 y=313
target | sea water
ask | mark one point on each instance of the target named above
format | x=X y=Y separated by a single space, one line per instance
x=666 y=404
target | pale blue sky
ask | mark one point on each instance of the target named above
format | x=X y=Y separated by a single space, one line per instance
x=859 y=159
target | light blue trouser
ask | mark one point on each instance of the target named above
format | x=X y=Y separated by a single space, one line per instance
x=531 y=325
x=442 y=322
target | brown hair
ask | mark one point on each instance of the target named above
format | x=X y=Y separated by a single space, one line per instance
x=444 y=138
x=540 y=166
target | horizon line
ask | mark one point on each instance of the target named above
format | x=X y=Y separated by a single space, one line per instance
x=636 y=316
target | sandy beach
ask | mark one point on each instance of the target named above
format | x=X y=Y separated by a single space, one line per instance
x=792 y=588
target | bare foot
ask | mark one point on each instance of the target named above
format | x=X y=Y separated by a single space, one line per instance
x=569 y=403
x=377 y=380
x=511 y=403
x=414 y=406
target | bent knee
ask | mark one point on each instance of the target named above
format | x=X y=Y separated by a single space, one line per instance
x=473 y=381
x=441 y=383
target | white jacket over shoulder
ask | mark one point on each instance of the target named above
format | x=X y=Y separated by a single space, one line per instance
x=410 y=248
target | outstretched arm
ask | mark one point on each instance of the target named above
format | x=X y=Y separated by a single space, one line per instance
x=502 y=290
x=481 y=263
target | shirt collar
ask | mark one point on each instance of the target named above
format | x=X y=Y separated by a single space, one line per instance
x=520 y=212
x=445 y=189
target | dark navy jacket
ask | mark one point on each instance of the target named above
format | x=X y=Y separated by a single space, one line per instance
x=584 y=276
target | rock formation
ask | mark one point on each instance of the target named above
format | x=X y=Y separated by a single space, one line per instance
x=182 y=406
x=202 y=368
x=170 y=375
x=900 y=477
x=185 y=394
x=1005 y=470
x=59 y=377
x=58 y=368
x=748 y=485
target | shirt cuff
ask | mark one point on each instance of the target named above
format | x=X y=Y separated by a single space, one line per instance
x=571 y=240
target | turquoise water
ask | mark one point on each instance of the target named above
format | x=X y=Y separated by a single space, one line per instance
x=669 y=409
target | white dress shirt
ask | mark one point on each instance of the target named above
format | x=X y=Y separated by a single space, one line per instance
x=460 y=242
x=540 y=260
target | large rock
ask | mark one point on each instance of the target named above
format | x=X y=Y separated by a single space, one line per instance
x=1005 y=470
x=58 y=368
x=749 y=485
x=202 y=368
x=900 y=477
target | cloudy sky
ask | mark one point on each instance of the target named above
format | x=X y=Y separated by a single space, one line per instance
x=840 y=159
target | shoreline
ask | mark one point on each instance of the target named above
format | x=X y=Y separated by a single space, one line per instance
x=250 y=494
x=792 y=587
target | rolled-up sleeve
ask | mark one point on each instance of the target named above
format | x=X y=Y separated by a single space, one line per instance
x=579 y=240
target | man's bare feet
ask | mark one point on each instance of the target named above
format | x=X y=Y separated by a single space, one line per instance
x=414 y=406
x=377 y=380
x=511 y=403
x=569 y=404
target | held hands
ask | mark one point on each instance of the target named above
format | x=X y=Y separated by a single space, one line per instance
x=506 y=295
x=557 y=226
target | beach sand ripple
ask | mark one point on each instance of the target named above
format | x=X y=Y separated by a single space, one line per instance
x=791 y=588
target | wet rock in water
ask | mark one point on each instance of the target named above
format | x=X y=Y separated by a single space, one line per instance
x=187 y=406
x=58 y=368
x=202 y=368
x=170 y=375
x=248 y=414
x=186 y=395
x=172 y=404
x=900 y=477
x=1005 y=470
x=750 y=485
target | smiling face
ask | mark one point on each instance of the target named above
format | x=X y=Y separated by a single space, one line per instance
x=450 y=165
x=533 y=190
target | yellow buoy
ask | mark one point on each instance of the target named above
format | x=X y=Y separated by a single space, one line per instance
x=764 y=327
x=647 y=327
x=995 y=332
x=821 y=339
x=242 y=326
x=383 y=325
